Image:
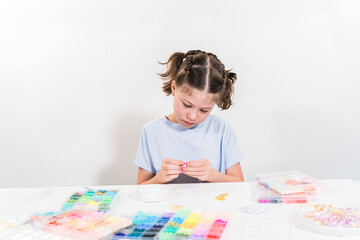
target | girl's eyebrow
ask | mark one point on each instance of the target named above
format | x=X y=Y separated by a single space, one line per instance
x=193 y=104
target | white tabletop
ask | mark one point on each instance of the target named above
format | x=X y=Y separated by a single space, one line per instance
x=277 y=222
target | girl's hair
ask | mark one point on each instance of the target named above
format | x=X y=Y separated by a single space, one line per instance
x=201 y=70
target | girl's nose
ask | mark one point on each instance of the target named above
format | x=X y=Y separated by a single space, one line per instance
x=192 y=115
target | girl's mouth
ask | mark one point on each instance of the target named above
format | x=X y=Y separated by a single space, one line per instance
x=187 y=123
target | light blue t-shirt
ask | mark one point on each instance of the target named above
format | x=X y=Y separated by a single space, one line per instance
x=213 y=139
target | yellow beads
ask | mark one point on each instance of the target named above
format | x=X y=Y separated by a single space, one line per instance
x=221 y=197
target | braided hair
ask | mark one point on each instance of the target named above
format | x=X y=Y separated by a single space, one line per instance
x=201 y=70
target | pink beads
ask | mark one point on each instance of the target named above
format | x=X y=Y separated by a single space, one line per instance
x=83 y=224
x=328 y=215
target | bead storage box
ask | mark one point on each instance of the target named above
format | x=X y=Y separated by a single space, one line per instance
x=83 y=216
x=182 y=224
x=100 y=200
x=288 y=182
x=144 y=226
x=263 y=194
x=188 y=224
x=81 y=223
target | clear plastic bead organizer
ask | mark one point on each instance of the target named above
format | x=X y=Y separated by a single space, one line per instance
x=81 y=223
x=182 y=224
x=101 y=200
x=288 y=182
x=263 y=194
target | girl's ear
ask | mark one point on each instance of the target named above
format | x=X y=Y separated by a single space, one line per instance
x=173 y=87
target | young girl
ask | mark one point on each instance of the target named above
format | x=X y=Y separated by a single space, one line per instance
x=190 y=145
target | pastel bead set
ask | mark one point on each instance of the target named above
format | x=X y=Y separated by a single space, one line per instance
x=285 y=187
x=186 y=224
x=82 y=224
x=144 y=226
x=331 y=216
x=96 y=200
x=288 y=182
x=267 y=195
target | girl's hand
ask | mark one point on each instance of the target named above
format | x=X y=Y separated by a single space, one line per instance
x=170 y=169
x=198 y=169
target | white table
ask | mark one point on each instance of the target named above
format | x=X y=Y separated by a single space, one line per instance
x=277 y=222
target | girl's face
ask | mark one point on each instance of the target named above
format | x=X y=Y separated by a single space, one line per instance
x=191 y=106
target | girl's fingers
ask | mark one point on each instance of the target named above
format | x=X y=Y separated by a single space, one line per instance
x=171 y=166
x=170 y=172
x=173 y=161
x=195 y=174
x=198 y=164
x=194 y=169
x=174 y=176
x=194 y=164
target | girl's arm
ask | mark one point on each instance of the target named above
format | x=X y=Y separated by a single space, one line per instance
x=232 y=174
x=144 y=176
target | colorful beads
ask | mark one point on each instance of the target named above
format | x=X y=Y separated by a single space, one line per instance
x=288 y=182
x=188 y=225
x=183 y=224
x=96 y=200
x=144 y=225
x=82 y=223
x=266 y=195
x=329 y=215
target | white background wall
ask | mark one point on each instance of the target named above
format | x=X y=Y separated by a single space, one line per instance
x=78 y=80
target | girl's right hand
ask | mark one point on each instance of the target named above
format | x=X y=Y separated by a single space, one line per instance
x=170 y=169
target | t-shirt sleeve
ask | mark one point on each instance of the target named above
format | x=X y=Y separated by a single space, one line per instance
x=231 y=150
x=143 y=155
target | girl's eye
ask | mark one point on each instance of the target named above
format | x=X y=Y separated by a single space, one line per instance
x=204 y=111
x=188 y=106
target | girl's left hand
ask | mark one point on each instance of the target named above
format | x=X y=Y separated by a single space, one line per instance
x=198 y=169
